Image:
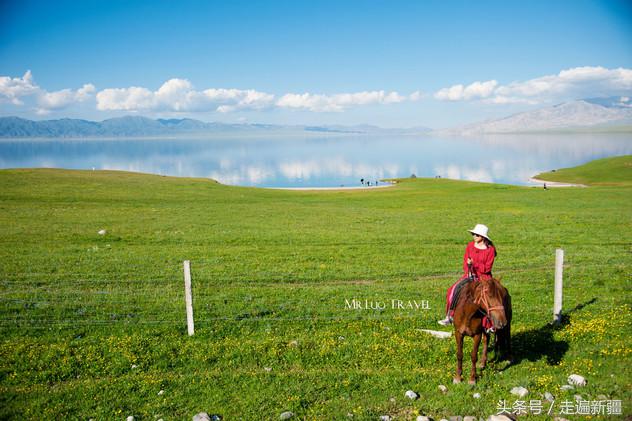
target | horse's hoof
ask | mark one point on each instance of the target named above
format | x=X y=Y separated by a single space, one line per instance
x=456 y=380
x=472 y=382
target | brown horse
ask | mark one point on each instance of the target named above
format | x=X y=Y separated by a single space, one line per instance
x=477 y=299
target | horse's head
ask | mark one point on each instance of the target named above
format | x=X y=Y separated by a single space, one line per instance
x=490 y=296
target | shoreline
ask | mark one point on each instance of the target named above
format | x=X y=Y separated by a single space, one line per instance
x=554 y=183
x=385 y=185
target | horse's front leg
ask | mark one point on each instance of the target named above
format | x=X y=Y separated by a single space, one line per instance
x=477 y=341
x=459 y=356
x=483 y=362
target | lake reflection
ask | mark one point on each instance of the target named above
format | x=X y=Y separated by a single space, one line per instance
x=327 y=161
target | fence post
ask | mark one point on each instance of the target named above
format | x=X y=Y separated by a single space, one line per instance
x=188 y=297
x=557 y=298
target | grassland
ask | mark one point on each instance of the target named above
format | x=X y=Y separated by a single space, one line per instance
x=93 y=326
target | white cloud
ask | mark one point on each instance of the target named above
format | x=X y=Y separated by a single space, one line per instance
x=476 y=90
x=61 y=99
x=575 y=83
x=340 y=102
x=13 y=89
x=178 y=95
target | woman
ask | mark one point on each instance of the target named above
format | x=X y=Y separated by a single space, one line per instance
x=477 y=263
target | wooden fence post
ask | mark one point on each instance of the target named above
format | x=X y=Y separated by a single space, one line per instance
x=557 y=298
x=188 y=297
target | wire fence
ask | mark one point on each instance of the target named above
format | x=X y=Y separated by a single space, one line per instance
x=41 y=300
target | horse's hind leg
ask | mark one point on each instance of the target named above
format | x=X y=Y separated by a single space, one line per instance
x=477 y=341
x=459 y=356
x=483 y=362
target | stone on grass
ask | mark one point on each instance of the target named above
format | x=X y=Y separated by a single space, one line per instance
x=476 y=395
x=268 y=369
x=161 y=392
x=412 y=395
x=519 y=391
x=201 y=416
x=602 y=398
x=576 y=380
x=102 y=232
x=578 y=397
x=549 y=397
x=443 y=388
x=437 y=333
x=501 y=417
x=130 y=418
x=470 y=418
x=286 y=415
x=422 y=418
x=559 y=419
x=385 y=418
x=566 y=387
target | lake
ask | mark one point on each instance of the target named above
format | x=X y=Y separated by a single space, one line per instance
x=323 y=161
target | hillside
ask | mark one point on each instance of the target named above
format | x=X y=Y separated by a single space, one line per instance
x=616 y=171
x=594 y=114
x=93 y=325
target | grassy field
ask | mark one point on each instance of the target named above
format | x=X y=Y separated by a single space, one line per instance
x=93 y=326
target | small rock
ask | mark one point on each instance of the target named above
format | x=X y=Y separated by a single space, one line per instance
x=385 y=418
x=202 y=416
x=501 y=417
x=422 y=418
x=349 y=415
x=341 y=338
x=443 y=388
x=134 y=366
x=268 y=369
x=412 y=395
x=602 y=398
x=102 y=232
x=576 y=380
x=549 y=397
x=566 y=387
x=519 y=391
x=286 y=415
x=559 y=419
x=161 y=392
x=476 y=395
x=130 y=418
x=470 y=418
x=437 y=333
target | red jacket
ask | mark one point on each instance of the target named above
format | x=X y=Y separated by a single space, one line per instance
x=482 y=260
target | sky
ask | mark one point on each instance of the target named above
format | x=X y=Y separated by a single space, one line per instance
x=388 y=63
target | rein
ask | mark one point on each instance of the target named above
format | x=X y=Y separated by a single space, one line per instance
x=483 y=300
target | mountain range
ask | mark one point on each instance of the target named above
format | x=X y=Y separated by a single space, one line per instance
x=136 y=126
x=593 y=114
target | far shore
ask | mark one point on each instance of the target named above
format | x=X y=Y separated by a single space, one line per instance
x=555 y=183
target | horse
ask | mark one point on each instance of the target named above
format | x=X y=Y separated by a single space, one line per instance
x=476 y=300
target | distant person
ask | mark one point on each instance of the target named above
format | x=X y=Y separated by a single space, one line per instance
x=544 y=186
x=477 y=264
x=362 y=181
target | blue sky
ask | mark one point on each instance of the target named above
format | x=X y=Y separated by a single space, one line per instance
x=390 y=63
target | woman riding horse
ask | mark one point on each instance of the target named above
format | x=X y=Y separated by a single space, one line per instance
x=477 y=265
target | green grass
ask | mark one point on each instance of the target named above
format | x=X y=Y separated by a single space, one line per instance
x=94 y=326
x=602 y=172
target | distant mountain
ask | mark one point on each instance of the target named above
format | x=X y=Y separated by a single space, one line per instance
x=585 y=114
x=136 y=126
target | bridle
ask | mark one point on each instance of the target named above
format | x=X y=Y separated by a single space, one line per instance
x=483 y=300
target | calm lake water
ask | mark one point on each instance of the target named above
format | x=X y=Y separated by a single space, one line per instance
x=324 y=161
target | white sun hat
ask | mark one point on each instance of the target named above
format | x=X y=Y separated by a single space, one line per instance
x=481 y=230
